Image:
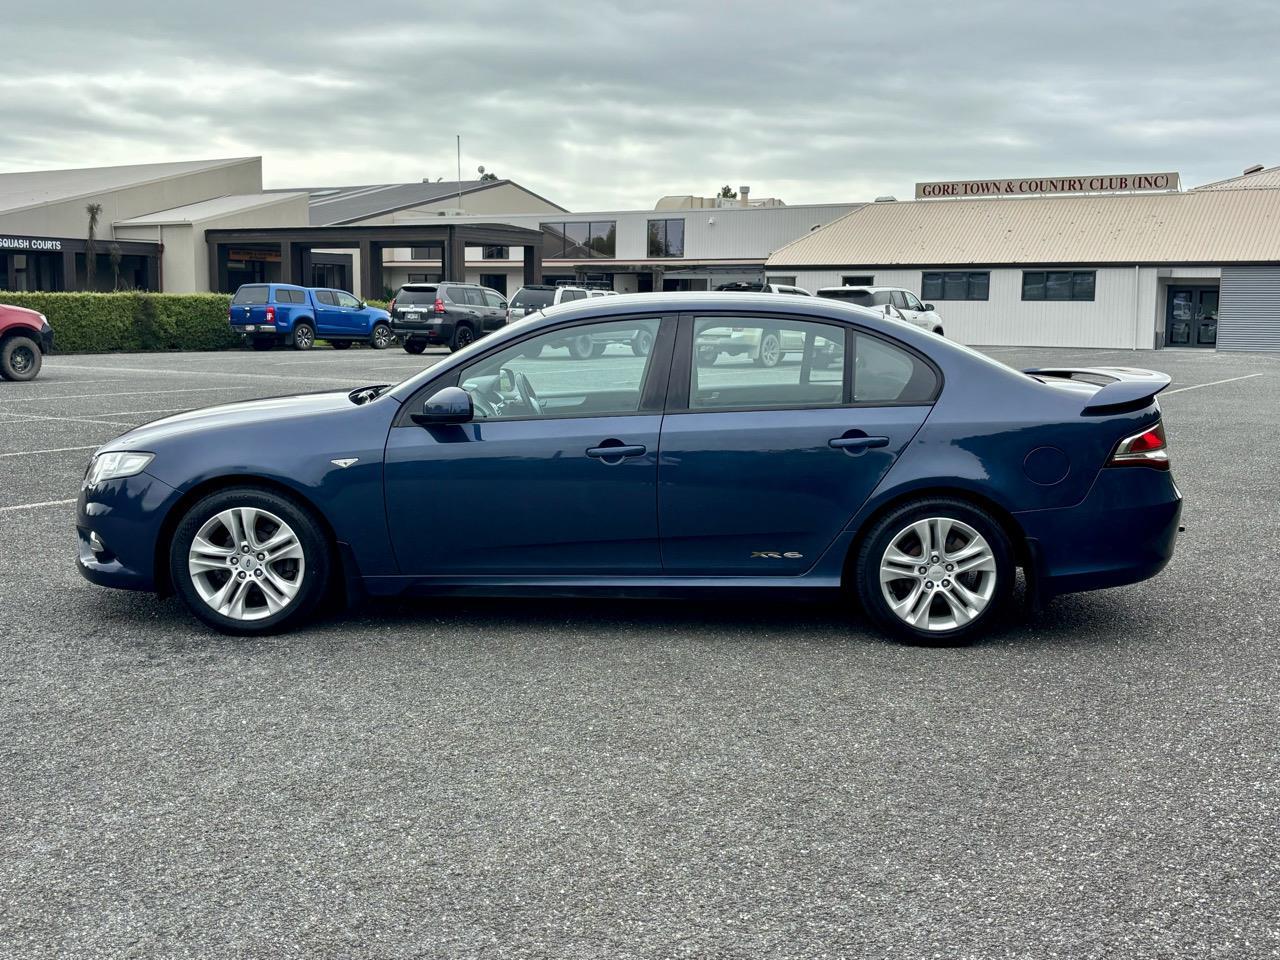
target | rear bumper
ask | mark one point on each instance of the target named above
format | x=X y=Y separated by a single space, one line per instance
x=1123 y=532
x=431 y=331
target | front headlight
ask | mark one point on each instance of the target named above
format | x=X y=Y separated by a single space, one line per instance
x=113 y=466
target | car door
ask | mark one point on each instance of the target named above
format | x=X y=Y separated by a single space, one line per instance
x=915 y=311
x=493 y=309
x=327 y=318
x=555 y=475
x=460 y=305
x=761 y=468
x=350 y=316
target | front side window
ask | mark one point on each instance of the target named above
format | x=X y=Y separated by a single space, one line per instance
x=912 y=302
x=493 y=300
x=955 y=284
x=756 y=362
x=884 y=373
x=591 y=370
x=347 y=300
x=1058 y=284
x=666 y=238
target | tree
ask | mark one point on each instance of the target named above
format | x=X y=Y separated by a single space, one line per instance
x=727 y=193
x=91 y=246
x=113 y=254
x=488 y=176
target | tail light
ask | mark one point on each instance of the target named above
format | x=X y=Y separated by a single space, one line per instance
x=439 y=305
x=391 y=307
x=271 y=314
x=1146 y=449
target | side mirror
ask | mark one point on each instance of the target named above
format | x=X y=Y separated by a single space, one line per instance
x=450 y=405
x=928 y=308
x=363 y=304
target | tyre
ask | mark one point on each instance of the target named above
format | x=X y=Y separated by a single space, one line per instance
x=340 y=344
x=246 y=560
x=642 y=343
x=707 y=356
x=415 y=346
x=381 y=337
x=770 y=352
x=581 y=347
x=20 y=359
x=938 y=331
x=304 y=336
x=463 y=336
x=598 y=349
x=533 y=352
x=935 y=572
x=263 y=343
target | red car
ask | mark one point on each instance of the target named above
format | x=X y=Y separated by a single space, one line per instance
x=25 y=337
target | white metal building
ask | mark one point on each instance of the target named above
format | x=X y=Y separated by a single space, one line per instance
x=1199 y=268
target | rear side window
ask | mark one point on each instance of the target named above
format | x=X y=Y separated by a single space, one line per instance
x=532 y=298
x=327 y=298
x=414 y=298
x=289 y=296
x=754 y=362
x=884 y=373
x=257 y=293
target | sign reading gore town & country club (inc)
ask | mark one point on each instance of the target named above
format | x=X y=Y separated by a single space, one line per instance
x=34 y=244
x=1031 y=186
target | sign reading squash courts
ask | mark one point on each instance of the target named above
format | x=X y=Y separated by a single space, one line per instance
x=1039 y=186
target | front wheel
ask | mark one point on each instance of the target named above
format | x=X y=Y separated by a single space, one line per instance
x=935 y=572
x=247 y=560
x=463 y=336
x=304 y=336
x=381 y=336
x=20 y=359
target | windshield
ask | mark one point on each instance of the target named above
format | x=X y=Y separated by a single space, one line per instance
x=527 y=297
x=254 y=294
x=412 y=298
x=862 y=298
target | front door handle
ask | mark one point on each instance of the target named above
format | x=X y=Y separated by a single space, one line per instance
x=615 y=451
x=857 y=444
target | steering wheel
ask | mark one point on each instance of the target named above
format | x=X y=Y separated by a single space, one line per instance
x=526 y=393
x=482 y=406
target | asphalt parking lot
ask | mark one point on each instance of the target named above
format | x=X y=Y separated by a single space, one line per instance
x=600 y=779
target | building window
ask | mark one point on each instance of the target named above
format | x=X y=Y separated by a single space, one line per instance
x=956 y=285
x=494 y=281
x=785 y=281
x=1057 y=284
x=425 y=253
x=581 y=240
x=666 y=238
x=858 y=280
x=425 y=278
x=494 y=253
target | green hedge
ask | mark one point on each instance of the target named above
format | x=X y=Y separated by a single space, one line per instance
x=109 y=322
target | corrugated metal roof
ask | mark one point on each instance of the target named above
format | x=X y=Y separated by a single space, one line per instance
x=29 y=189
x=210 y=209
x=335 y=205
x=1261 y=180
x=1212 y=226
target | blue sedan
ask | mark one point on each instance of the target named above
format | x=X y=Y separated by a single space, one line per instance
x=610 y=447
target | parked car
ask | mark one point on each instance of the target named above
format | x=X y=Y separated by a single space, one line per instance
x=917 y=475
x=535 y=296
x=25 y=337
x=892 y=301
x=452 y=314
x=270 y=314
x=743 y=286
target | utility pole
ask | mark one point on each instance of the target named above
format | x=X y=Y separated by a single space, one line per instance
x=459 y=137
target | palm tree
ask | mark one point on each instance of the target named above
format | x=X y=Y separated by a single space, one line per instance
x=91 y=246
x=114 y=255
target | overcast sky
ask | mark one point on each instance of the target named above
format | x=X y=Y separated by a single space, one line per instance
x=605 y=105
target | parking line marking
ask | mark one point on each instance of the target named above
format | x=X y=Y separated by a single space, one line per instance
x=29 y=417
x=36 y=506
x=208 y=373
x=32 y=453
x=1197 y=386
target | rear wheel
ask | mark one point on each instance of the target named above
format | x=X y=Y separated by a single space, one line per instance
x=20 y=359
x=581 y=347
x=463 y=336
x=642 y=343
x=381 y=337
x=247 y=560
x=770 y=352
x=304 y=336
x=415 y=346
x=340 y=344
x=935 y=572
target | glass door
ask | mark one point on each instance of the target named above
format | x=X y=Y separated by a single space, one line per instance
x=1192 y=318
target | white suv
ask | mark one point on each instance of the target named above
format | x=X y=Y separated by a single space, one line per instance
x=894 y=301
x=535 y=296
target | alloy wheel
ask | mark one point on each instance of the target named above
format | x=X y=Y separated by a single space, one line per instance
x=938 y=574
x=22 y=359
x=770 y=350
x=381 y=336
x=246 y=563
x=303 y=338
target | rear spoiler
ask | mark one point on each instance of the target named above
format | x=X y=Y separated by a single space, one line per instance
x=1128 y=385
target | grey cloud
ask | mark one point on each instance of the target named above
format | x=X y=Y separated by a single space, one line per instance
x=608 y=104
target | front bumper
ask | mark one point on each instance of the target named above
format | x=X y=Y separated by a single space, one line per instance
x=1123 y=532
x=126 y=515
x=46 y=338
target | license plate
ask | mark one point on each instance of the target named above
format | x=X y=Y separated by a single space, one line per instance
x=413 y=316
x=249 y=328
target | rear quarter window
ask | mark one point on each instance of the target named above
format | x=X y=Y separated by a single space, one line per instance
x=885 y=373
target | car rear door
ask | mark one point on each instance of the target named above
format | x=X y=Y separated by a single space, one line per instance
x=565 y=485
x=762 y=467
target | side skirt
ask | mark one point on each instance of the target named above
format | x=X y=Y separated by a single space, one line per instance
x=669 y=587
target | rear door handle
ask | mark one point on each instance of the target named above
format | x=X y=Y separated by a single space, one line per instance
x=857 y=443
x=617 y=452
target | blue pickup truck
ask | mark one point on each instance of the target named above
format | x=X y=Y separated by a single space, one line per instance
x=280 y=313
